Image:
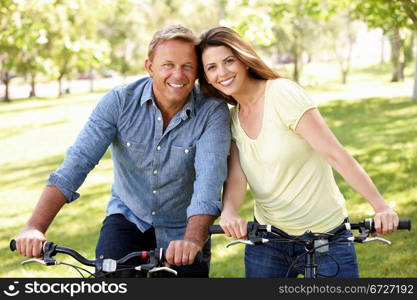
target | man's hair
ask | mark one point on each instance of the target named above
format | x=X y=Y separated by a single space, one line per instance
x=171 y=32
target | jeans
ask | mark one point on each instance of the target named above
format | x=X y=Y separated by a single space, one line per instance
x=274 y=259
x=119 y=237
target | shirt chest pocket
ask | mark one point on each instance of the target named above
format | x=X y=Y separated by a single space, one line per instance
x=133 y=153
x=181 y=161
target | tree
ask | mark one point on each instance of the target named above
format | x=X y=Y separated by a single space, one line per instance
x=341 y=31
x=73 y=41
x=410 y=7
x=394 y=18
x=126 y=31
x=33 y=52
x=10 y=40
x=289 y=26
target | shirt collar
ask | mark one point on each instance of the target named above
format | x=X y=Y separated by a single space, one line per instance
x=147 y=93
x=187 y=111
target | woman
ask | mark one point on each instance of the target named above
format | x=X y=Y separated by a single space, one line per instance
x=284 y=150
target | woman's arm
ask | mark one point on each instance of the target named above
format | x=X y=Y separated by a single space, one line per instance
x=234 y=191
x=313 y=128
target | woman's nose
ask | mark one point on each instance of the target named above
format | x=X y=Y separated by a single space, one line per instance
x=222 y=70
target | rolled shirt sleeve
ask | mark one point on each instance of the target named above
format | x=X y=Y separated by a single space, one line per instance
x=89 y=147
x=210 y=163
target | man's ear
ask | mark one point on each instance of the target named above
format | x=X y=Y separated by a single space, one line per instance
x=148 y=66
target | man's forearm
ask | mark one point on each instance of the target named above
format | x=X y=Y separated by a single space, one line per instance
x=49 y=204
x=196 y=230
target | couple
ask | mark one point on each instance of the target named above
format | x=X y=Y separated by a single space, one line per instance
x=172 y=154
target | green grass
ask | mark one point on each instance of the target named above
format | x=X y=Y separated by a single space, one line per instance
x=379 y=131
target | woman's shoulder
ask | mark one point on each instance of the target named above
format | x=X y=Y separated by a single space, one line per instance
x=282 y=84
x=286 y=90
x=233 y=113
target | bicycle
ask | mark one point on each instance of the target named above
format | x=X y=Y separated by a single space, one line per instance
x=312 y=241
x=105 y=267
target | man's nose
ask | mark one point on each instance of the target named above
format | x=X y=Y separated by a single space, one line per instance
x=178 y=72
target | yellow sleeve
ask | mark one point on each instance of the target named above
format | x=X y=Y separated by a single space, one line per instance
x=291 y=101
x=233 y=124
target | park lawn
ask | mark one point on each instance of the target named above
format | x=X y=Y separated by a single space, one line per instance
x=379 y=132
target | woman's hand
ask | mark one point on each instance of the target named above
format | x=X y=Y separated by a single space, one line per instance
x=233 y=225
x=386 y=221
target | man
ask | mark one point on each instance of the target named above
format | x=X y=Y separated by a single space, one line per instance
x=169 y=147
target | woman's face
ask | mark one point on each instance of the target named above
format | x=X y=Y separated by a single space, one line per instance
x=223 y=70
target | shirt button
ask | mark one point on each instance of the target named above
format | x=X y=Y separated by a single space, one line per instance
x=155 y=171
x=153 y=213
x=128 y=144
x=154 y=192
x=186 y=150
x=158 y=148
x=159 y=118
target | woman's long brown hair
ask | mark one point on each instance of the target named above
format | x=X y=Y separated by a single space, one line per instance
x=224 y=36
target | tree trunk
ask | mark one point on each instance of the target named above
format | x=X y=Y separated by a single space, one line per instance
x=397 y=56
x=296 y=58
x=5 y=79
x=296 y=74
x=414 y=98
x=344 y=76
x=60 y=91
x=91 y=80
x=6 y=90
x=32 y=86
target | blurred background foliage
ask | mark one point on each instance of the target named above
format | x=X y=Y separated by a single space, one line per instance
x=43 y=40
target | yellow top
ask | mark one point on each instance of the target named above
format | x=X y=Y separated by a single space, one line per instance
x=292 y=185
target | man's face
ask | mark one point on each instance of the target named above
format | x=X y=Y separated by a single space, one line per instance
x=174 y=70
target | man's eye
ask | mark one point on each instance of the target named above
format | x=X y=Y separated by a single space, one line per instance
x=188 y=67
x=210 y=68
x=168 y=65
x=229 y=61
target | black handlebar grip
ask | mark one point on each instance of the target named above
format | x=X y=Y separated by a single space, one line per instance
x=12 y=245
x=404 y=224
x=199 y=258
x=215 y=229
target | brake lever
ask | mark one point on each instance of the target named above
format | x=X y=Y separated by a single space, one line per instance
x=361 y=240
x=235 y=242
x=157 y=269
x=258 y=241
x=377 y=239
x=39 y=261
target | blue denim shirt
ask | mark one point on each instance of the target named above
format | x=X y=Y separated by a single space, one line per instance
x=161 y=177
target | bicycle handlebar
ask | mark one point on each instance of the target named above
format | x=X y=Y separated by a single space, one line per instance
x=52 y=249
x=155 y=258
x=366 y=224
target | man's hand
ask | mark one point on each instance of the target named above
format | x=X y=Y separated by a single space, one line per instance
x=29 y=242
x=182 y=252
